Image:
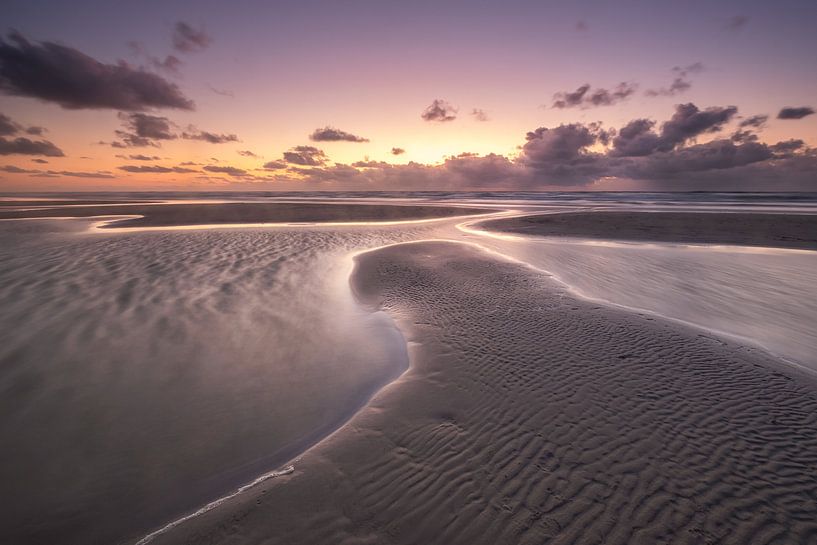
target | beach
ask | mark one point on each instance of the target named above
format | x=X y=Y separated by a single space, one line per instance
x=529 y=416
x=438 y=378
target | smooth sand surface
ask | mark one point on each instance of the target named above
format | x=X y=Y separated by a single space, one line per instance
x=165 y=215
x=753 y=229
x=530 y=417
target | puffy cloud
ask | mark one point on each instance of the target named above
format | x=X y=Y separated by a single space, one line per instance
x=479 y=115
x=305 y=156
x=25 y=146
x=232 y=171
x=331 y=134
x=188 y=39
x=66 y=76
x=148 y=126
x=206 y=136
x=397 y=151
x=440 y=111
x=584 y=97
x=795 y=113
x=660 y=156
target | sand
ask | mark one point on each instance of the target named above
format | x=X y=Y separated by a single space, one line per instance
x=529 y=416
x=156 y=215
x=754 y=229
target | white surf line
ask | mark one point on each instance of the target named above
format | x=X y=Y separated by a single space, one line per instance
x=746 y=341
x=215 y=503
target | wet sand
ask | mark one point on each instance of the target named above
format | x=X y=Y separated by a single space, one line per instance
x=529 y=416
x=165 y=215
x=753 y=229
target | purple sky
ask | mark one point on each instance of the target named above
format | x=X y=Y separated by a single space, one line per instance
x=412 y=95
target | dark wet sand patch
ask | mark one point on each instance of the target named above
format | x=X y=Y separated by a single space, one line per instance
x=751 y=229
x=168 y=215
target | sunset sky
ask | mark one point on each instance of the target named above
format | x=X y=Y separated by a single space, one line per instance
x=378 y=95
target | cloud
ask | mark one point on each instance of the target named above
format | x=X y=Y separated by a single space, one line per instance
x=736 y=22
x=660 y=156
x=246 y=153
x=440 y=111
x=755 y=121
x=795 y=113
x=156 y=169
x=397 y=151
x=680 y=83
x=148 y=126
x=479 y=115
x=305 y=155
x=188 y=39
x=7 y=126
x=206 y=136
x=275 y=165
x=25 y=146
x=139 y=157
x=581 y=26
x=330 y=134
x=55 y=73
x=584 y=97
x=40 y=161
x=54 y=173
x=232 y=171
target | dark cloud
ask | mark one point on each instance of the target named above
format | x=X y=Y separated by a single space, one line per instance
x=680 y=82
x=66 y=76
x=232 y=171
x=246 y=153
x=479 y=115
x=756 y=121
x=156 y=169
x=795 y=113
x=17 y=170
x=275 y=165
x=25 y=146
x=637 y=138
x=440 y=111
x=170 y=64
x=736 y=22
x=331 y=134
x=662 y=156
x=7 y=126
x=139 y=157
x=689 y=122
x=397 y=151
x=584 y=97
x=206 y=136
x=188 y=39
x=40 y=161
x=305 y=156
x=148 y=126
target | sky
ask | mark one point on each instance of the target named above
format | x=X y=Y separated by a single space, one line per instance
x=379 y=95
